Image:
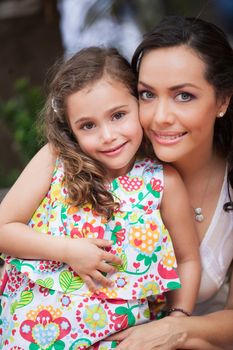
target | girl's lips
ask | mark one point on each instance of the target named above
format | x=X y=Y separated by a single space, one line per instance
x=114 y=150
x=168 y=138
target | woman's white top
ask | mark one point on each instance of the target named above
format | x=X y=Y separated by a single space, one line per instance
x=216 y=251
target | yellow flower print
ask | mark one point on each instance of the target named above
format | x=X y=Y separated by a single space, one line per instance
x=32 y=314
x=109 y=292
x=134 y=217
x=56 y=193
x=150 y=288
x=72 y=210
x=95 y=317
x=169 y=260
x=144 y=239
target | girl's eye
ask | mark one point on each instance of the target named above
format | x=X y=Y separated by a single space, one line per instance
x=184 y=97
x=87 y=126
x=118 y=115
x=146 y=95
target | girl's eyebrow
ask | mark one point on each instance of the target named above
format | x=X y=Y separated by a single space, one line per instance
x=172 y=88
x=110 y=110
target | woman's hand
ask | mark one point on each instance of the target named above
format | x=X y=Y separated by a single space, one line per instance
x=163 y=334
x=87 y=257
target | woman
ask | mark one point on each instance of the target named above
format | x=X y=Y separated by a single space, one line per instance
x=185 y=85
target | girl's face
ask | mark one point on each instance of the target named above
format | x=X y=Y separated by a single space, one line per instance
x=178 y=107
x=104 y=119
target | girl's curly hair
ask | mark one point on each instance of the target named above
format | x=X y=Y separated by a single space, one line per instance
x=84 y=176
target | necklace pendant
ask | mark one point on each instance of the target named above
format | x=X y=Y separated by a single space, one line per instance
x=199 y=217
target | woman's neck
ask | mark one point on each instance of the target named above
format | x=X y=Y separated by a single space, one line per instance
x=203 y=177
x=196 y=165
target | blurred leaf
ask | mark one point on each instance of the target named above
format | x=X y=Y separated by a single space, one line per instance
x=19 y=114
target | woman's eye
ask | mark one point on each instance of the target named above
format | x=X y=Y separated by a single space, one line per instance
x=87 y=126
x=118 y=115
x=146 y=95
x=184 y=97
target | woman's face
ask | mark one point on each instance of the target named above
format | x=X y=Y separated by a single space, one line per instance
x=178 y=107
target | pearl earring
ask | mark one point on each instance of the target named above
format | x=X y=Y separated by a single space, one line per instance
x=221 y=114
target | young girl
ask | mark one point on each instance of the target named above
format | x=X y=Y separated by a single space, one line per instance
x=96 y=246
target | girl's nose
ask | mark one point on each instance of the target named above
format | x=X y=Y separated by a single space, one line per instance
x=107 y=133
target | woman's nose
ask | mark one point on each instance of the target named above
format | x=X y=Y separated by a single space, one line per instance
x=163 y=112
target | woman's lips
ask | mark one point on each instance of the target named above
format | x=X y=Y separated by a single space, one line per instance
x=168 y=138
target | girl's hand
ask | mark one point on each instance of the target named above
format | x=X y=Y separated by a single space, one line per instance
x=162 y=335
x=87 y=257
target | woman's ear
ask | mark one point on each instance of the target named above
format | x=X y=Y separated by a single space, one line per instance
x=223 y=105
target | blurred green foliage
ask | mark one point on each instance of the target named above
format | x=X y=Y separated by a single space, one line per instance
x=19 y=114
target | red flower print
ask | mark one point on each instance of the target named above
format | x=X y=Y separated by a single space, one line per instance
x=120 y=321
x=45 y=330
x=91 y=231
x=44 y=291
x=75 y=233
x=49 y=265
x=156 y=184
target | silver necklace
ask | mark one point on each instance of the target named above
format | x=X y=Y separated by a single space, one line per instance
x=199 y=216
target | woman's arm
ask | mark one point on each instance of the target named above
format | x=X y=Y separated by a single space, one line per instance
x=176 y=214
x=208 y=332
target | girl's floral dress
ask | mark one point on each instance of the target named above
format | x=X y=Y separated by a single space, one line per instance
x=46 y=306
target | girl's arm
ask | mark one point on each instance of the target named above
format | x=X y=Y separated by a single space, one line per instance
x=19 y=240
x=19 y=205
x=176 y=214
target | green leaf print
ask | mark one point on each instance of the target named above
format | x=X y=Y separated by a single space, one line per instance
x=13 y=307
x=123 y=267
x=59 y=345
x=147 y=261
x=141 y=220
x=19 y=264
x=33 y=346
x=140 y=257
x=114 y=345
x=121 y=310
x=70 y=283
x=140 y=196
x=131 y=319
x=156 y=194
x=158 y=248
x=46 y=283
x=63 y=213
x=115 y=185
x=25 y=298
x=154 y=258
x=173 y=285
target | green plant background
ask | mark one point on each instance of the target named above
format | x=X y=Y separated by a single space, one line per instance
x=19 y=115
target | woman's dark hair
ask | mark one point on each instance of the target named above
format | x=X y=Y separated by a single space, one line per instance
x=210 y=43
x=84 y=176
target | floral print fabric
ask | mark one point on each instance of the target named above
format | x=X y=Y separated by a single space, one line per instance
x=45 y=304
